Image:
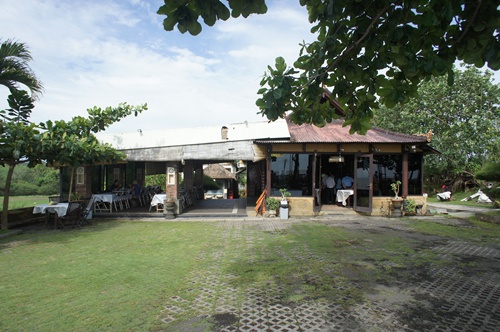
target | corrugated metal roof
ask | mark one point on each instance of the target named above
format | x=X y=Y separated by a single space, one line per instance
x=197 y=135
x=334 y=132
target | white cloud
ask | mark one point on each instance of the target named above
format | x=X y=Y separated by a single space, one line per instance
x=105 y=52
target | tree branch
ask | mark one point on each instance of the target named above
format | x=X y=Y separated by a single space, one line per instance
x=470 y=22
x=352 y=46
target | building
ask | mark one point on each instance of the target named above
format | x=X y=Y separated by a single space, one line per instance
x=276 y=155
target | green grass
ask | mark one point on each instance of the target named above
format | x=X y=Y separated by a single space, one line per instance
x=110 y=277
x=118 y=276
x=18 y=202
x=478 y=232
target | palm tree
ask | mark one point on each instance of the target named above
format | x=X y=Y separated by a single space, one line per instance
x=14 y=69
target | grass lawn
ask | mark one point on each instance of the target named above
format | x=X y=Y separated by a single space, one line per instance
x=18 y=202
x=123 y=276
x=109 y=277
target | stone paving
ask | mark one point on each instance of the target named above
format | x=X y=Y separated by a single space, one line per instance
x=450 y=299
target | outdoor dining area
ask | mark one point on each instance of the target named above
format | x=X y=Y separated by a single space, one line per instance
x=72 y=214
x=120 y=200
x=63 y=215
x=150 y=201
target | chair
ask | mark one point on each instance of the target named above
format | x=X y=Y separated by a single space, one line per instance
x=150 y=200
x=117 y=201
x=160 y=207
x=142 y=197
x=72 y=218
x=87 y=212
x=101 y=206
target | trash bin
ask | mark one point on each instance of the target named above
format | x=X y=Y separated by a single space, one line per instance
x=284 y=210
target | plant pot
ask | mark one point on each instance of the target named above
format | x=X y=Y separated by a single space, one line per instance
x=169 y=209
x=272 y=213
x=396 y=207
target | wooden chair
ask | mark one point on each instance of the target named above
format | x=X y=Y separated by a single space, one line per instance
x=87 y=212
x=160 y=207
x=72 y=218
x=101 y=206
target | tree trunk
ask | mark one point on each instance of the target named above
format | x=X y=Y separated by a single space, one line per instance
x=5 y=212
x=70 y=184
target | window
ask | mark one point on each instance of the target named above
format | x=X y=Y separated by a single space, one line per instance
x=291 y=171
x=171 y=176
x=80 y=175
x=414 y=174
x=389 y=169
x=386 y=170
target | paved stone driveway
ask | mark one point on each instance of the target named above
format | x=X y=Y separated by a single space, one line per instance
x=449 y=299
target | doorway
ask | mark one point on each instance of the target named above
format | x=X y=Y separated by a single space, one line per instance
x=338 y=169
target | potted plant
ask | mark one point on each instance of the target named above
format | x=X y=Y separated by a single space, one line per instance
x=272 y=205
x=396 y=201
x=410 y=207
x=284 y=203
x=284 y=194
x=395 y=188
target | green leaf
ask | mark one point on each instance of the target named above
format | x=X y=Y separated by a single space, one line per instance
x=280 y=64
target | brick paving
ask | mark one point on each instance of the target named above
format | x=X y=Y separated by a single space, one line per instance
x=450 y=298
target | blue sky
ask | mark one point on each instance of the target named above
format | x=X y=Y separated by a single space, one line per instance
x=103 y=52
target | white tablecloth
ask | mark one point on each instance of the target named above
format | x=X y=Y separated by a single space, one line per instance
x=107 y=198
x=158 y=199
x=343 y=195
x=60 y=208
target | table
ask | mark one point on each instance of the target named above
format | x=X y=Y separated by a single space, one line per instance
x=158 y=199
x=58 y=210
x=343 y=195
x=109 y=198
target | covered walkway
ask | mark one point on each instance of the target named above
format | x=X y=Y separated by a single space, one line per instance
x=207 y=208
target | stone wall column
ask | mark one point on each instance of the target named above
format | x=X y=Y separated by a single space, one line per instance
x=172 y=180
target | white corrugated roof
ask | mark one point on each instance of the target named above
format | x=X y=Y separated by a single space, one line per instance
x=196 y=135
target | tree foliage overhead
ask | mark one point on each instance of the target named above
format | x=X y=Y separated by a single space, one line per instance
x=21 y=105
x=14 y=68
x=72 y=143
x=366 y=51
x=464 y=119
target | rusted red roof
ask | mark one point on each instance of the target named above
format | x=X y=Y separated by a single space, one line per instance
x=334 y=132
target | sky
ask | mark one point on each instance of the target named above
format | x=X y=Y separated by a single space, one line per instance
x=104 y=52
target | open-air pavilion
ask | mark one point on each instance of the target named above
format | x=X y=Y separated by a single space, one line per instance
x=275 y=155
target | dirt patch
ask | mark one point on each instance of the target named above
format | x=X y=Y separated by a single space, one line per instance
x=194 y=324
x=425 y=312
x=223 y=320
